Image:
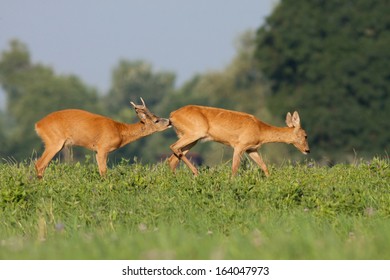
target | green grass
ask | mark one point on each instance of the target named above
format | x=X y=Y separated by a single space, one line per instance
x=303 y=211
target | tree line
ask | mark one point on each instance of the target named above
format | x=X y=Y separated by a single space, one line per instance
x=329 y=60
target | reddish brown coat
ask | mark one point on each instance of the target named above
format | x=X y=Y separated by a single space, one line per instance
x=243 y=132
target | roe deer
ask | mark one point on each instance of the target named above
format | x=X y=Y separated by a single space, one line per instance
x=243 y=132
x=95 y=132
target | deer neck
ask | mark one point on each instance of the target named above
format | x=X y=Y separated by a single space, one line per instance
x=133 y=132
x=273 y=134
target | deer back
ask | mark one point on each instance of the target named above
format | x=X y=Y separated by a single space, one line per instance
x=78 y=127
x=214 y=124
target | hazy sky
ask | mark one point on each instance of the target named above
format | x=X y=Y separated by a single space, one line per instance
x=88 y=37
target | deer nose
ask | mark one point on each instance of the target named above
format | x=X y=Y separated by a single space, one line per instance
x=307 y=151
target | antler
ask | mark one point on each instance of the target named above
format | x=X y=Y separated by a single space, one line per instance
x=143 y=106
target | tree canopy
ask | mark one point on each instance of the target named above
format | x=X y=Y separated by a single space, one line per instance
x=330 y=60
x=32 y=91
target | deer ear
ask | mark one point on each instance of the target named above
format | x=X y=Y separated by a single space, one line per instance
x=141 y=116
x=296 y=121
x=289 y=120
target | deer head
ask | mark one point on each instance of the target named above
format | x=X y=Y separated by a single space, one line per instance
x=148 y=117
x=300 y=136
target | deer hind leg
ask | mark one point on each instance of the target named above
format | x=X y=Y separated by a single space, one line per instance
x=259 y=160
x=101 y=158
x=174 y=160
x=179 y=149
x=50 y=151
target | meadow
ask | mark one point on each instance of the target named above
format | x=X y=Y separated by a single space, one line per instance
x=141 y=211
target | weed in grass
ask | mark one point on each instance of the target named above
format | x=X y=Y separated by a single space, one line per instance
x=303 y=211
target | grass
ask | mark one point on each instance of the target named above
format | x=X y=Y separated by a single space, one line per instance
x=303 y=211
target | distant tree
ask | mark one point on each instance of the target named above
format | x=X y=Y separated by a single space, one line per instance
x=14 y=66
x=134 y=79
x=239 y=86
x=330 y=60
x=3 y=136
x=32 y=91
x=130 y=81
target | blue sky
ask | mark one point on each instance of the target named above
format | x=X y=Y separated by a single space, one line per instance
x=88 y=38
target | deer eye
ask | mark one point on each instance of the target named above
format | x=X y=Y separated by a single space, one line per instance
x=157 y=121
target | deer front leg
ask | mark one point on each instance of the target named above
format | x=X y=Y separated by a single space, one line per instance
x=101 y=158
x=236 y=160
x=259 y=160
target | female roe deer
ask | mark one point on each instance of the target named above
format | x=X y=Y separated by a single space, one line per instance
x=243 y=132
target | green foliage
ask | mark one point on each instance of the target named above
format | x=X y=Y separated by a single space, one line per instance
x=239 y=86
x=134 y=79
x=3 y=136
x=302 y=211
x=330 y=61
x=130 y=81
x=34 y=90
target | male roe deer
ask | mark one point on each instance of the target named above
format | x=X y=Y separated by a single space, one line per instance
x=95 y=132
x=243 y=132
